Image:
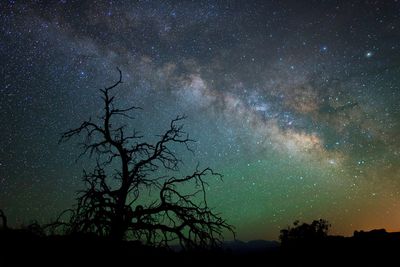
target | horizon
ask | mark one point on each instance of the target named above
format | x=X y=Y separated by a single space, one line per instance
x=295 y=104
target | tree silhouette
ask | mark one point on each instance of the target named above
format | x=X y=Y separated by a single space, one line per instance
x=302 y=233
x=112 y=203
x=3 y=218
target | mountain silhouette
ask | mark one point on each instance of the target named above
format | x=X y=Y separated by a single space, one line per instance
x=238 y=246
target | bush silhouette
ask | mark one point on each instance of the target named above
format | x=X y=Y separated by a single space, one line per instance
x=304 y=232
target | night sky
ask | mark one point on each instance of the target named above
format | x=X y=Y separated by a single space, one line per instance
x=296 y=103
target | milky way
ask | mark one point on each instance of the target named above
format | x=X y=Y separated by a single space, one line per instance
x=296 y=103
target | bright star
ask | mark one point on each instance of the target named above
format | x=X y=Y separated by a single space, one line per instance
x=369 y=54
x=332 y=161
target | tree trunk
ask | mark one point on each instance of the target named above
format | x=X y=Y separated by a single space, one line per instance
x=4 y=219
x=119 y=224
x=117 y=228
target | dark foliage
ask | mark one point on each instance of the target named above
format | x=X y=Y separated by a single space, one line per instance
x=301 y=233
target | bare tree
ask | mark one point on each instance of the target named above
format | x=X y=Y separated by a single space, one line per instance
x=111 y=204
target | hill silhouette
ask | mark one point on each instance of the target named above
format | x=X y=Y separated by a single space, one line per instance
x=30 y=246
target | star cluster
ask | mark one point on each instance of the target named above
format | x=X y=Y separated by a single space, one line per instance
x=296 y=103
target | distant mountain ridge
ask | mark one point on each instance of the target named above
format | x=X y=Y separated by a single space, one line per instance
x=239 y=246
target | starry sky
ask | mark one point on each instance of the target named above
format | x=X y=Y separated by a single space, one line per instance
x=296 y=103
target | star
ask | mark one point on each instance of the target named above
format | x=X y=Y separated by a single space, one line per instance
x=324 y=49
x=274 y=95
x=369 y=54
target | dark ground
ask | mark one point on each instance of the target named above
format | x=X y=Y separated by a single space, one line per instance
x=23 y=248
